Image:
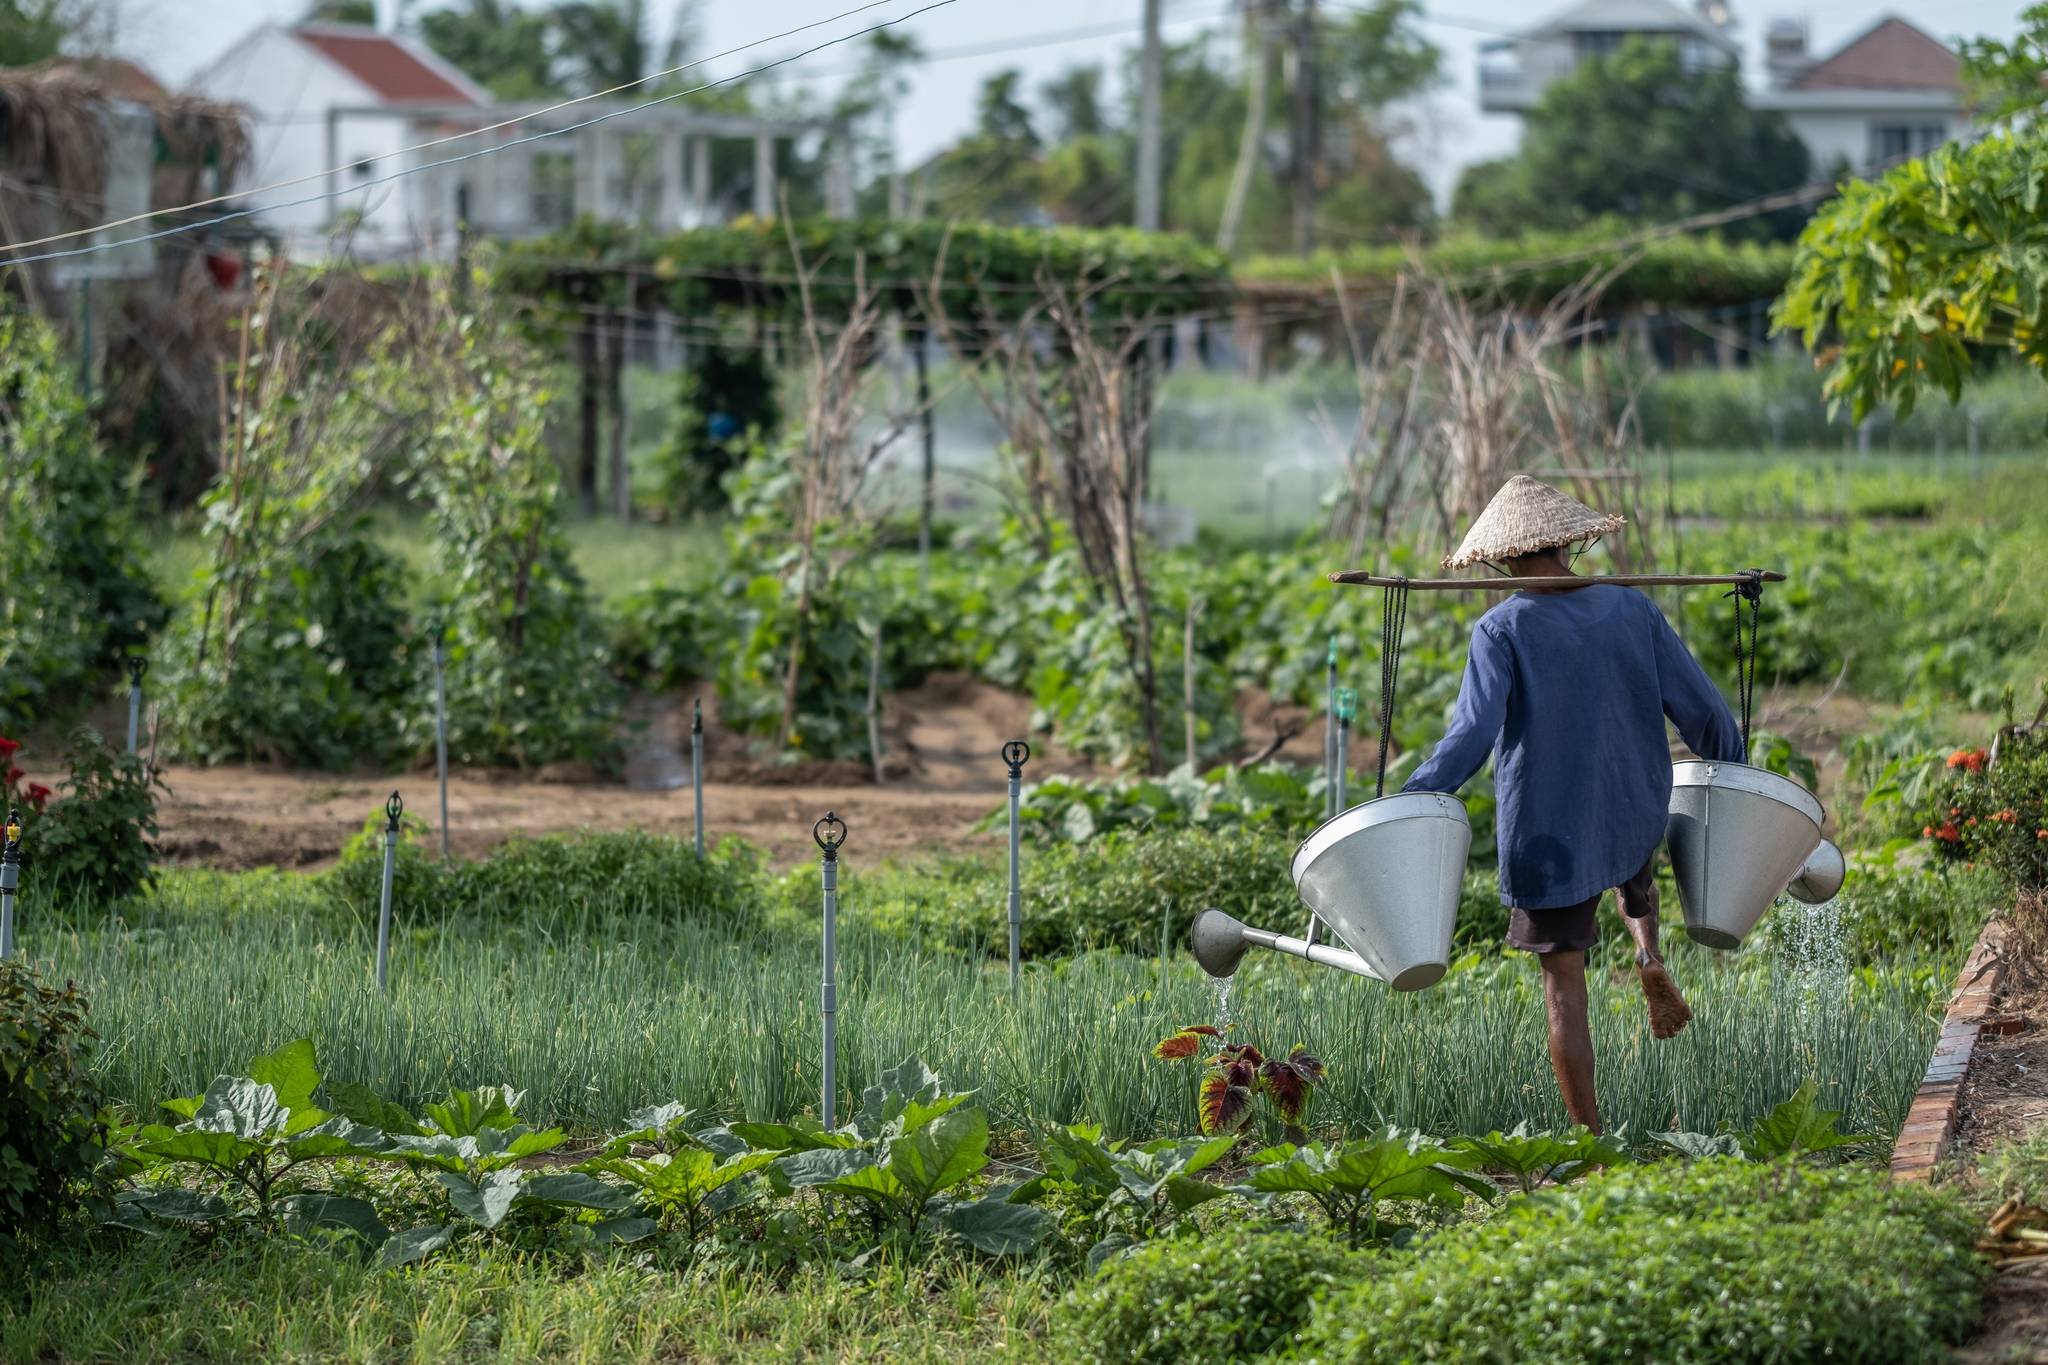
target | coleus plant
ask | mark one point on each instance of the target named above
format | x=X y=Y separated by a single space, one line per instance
x=1238 y=1074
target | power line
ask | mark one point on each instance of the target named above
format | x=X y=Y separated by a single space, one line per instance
x=524 y=117
x=402 y=172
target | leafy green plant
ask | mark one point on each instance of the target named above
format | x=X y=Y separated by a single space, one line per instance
x=1350 y=1180
x=1995 y=812
x=1237 y=1293
x=94 y=839
x=1753 y=1262
x=49 y=1127
x=1111 y=1195
x=690 y=1185
x=1238 y=1074
x=1531 y=1158
x=905 y=1159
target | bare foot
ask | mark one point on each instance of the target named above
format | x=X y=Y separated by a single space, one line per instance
x=1668 y=1011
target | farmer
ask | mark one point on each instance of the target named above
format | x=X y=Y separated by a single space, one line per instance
x=1570 y=687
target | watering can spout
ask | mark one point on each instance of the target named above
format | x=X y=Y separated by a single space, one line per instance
x=1218 y=942
x=1820 y=876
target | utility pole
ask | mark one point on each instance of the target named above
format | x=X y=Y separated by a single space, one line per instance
x=1305 y=137
x=1149 y=96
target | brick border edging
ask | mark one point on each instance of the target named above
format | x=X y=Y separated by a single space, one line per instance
x=1931 y=1122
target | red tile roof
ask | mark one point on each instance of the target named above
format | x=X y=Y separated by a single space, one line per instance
x=388 y=66
x=1892 y=56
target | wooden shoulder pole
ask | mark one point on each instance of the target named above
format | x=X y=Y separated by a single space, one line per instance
x=1631 y=580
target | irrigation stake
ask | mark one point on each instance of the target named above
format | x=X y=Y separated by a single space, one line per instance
x=137 y=666
x=830 y=835
x=1330 y=726
x=1347 y=707
x=1187 y=677
x=1016 y=753
x=10 y=876
x=441 y=724
x=392 y=810
x=697 y=768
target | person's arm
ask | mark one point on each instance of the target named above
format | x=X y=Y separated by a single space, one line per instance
x=1476 y=720
x=1692 y=702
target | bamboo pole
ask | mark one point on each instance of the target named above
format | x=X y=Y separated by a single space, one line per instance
x=1631 y=580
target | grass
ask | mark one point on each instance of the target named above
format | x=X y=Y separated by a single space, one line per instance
x=179 y=1298
x=599 y=1015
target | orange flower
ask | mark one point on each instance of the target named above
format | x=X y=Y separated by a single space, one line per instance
x=1970 y=760
x=1927 y=831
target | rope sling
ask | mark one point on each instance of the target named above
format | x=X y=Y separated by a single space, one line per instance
x=1393 y=623
x=1751 y=590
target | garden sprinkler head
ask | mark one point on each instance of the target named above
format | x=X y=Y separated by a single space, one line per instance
x=137 y=666
x=1820 y=876
x=1218 y=942
x=13 y=834
x=392 y=810
x=1016 y=754
x=697 y=716
x=830 y=835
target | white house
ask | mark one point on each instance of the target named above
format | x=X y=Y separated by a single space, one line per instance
x=1890 y=93
x=341 y=113
x=1513 y=72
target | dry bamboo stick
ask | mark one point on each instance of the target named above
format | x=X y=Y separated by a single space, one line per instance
x=1632 y=580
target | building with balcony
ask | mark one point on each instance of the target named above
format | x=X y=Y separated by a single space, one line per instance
x=1514 y=72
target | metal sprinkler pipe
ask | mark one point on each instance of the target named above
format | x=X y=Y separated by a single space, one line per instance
x=1347 y=707
x=1016 y=754
x=441 y=724
x=1332 y=803
x=697 y=769
x=393 y=808
x=137 y=666
x=830 y=836
x=10 y=877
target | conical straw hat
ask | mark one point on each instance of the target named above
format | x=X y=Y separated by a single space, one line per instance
x=1524 y=517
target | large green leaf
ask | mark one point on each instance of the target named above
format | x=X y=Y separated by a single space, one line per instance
x=623 y=1230
x=339 y=1137
x=783 y=1137
x=657 y=1125
x=1698 y=1146
x=820 y=1166
x=484 y=1200
x=996 y=1227
x=936 y=1157
x=1797 y=1126
x=173 y=1205
x=308 y=1214
x=466 y=1113
x=1529 y=1157
x=223 y=1151
x=876 y=1184
x=1185 y=1192
x=414 y=1244
x=291 y=1072
x=364 y=1105
x=238 y=1105
x=576 y=1190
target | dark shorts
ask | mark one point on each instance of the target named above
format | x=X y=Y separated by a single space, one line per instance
x=1573 y=928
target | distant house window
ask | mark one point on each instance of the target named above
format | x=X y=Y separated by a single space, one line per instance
x=553 y=190
x=1896 y=141
x=1598 y=42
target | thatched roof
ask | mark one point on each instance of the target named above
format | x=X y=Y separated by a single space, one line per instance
x=52 y=136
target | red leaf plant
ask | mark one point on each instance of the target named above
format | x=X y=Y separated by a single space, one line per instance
x=1238 y=1074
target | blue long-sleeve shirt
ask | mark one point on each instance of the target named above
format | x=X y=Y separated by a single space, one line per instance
x=1572 y=688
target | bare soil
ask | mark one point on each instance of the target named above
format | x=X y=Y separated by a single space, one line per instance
x=942 y=773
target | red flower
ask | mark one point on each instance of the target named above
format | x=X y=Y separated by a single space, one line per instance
x=38 y=795
x=9 y=747
x=2041 y=834
x=1927 y=831
x=14 y=775
x=1948 y=833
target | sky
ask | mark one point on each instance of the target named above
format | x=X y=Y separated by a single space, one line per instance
x=175 y=38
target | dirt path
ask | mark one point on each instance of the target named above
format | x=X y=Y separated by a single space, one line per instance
x=942 y=774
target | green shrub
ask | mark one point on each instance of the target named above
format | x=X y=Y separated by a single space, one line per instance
x=555 y=878
x=1232 y=1295
x=49 y=1138
x=93 y=840
x=1717 y=1260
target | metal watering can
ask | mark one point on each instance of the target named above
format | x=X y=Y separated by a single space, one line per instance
x=1738 y=837
x=1385 y=875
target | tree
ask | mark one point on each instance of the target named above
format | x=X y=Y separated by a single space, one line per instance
x=33 y=31
x=363 y=12
x=506 y=49
x=1074 y=101
x=603 y=44
x=1900 y=281
x=1636 y=135
x=992 y=173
